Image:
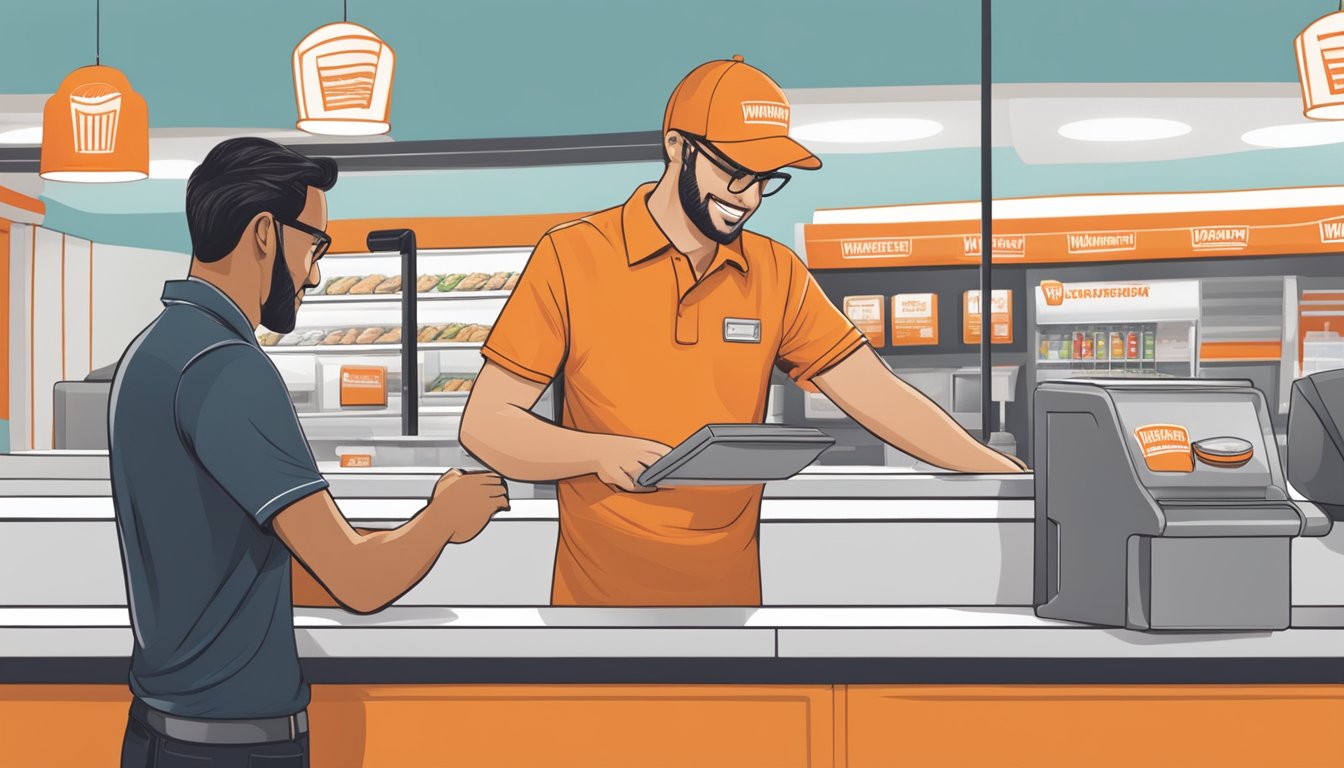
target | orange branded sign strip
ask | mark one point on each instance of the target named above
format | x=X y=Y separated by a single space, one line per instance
x=1241 y=350
x=1078 y=239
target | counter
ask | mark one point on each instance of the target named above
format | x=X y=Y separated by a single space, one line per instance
x=897 y=622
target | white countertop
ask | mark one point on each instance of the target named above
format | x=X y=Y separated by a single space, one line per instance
x=768 y=632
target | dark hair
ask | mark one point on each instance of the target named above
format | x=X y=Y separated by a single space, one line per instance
x=241 y=178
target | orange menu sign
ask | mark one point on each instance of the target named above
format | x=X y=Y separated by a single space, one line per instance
x=1079 y=239
x=866 y=314
x=363 y=385
x=1166 y=447
x=356 y=460
x=914 y=319
x=1001 y=318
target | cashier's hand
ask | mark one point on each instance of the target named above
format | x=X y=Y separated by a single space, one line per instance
x=619 y=461
x=467 y=501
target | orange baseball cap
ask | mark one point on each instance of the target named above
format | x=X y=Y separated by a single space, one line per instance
x=742 y=112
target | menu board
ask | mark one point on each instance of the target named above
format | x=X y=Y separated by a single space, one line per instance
x=1001 y=317
x=914 y=319
x=866 y=314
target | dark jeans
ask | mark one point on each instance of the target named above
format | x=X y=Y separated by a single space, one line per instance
x=143 y=747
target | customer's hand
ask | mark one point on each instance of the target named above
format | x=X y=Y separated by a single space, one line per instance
x=619 y=461
x=467 y=501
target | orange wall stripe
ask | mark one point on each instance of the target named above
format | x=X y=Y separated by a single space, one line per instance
x=22 y=201
x=1214 y=234
x=4 y=319
x=349 y=235
x=1241 y=350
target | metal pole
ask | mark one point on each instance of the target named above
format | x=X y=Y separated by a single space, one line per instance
x=986 y=224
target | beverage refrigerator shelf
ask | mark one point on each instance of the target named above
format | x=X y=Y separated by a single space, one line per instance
x=395 y=298
x=360 y=349
x=1091 y=361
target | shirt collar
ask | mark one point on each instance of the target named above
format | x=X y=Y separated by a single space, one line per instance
x=644 y=239
x=206 y=296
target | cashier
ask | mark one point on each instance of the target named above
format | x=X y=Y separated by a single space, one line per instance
x=664 y=314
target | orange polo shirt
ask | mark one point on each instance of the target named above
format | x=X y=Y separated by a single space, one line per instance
x=608 y=301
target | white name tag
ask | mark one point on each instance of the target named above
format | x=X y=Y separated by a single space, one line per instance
x=742 y=331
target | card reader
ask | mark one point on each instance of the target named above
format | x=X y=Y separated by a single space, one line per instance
x=738 y=454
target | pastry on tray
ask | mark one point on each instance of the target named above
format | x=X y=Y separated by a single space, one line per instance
x=428 y=332
x=496 y=282
x=512 y=282
x=450 y=332
x=427 y=283
x=473 y=282
x=311 y=338
x=480 y=333
x=349 y=336
x=365 y=287
x=449 y=282
x=390 y=285
x=393 y=336
x=333 y=337
x=370 y=335
x=339 y=286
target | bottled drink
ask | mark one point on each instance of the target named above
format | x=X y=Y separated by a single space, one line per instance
x=1132 y=345
x=1150 y=344
x=1117 y=345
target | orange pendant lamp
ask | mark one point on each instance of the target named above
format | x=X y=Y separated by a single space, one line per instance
x=95 y=128
x=343 y=81
x=1320 y=67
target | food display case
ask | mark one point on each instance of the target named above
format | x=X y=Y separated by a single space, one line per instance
x=1146 y=329
x=343 y=362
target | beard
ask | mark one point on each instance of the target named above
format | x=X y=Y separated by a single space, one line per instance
x=696 y=208
x=280 y=312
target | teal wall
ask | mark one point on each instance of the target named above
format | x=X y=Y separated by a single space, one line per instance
x=100 y=212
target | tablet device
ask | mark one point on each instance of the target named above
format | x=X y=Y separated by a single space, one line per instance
x=738 y=454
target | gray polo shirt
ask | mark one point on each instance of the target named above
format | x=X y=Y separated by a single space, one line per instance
x=206 y=449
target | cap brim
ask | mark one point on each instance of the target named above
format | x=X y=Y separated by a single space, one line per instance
x=761 y=155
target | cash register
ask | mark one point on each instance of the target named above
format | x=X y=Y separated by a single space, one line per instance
x=1162 y=505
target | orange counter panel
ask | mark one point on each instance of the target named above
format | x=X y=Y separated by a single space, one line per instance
x=483 y=726
x=1205 y=726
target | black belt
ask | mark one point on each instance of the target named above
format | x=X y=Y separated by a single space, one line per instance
x=254 y=731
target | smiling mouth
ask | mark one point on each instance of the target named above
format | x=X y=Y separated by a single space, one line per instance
x=731 y=214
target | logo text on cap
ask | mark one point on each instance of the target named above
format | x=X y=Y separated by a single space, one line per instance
x=765 y=113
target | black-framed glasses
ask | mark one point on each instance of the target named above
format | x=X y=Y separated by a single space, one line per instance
x=741 y=179
x=321 y=240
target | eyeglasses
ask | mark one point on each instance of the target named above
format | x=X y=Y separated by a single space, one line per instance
x=741 y=179
x=321 y=240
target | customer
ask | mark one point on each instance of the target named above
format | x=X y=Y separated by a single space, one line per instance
x=214 y=485
x=664 y=314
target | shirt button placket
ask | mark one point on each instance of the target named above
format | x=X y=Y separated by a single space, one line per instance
x=688 y=322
